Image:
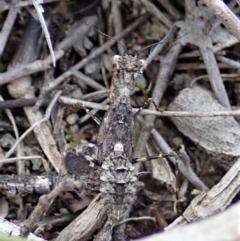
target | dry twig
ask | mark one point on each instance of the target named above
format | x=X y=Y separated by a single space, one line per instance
x=227 y=17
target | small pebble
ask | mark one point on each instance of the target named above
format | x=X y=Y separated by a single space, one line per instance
x=77 y=94
x=74 y=128
x=177 y=141
x=7 y=141
x=63 y=211
x=72 y=119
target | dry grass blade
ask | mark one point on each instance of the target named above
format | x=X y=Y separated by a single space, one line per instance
x=40 y=11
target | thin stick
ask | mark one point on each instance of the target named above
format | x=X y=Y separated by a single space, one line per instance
x=7 y=28
x=137 y=219
x=70 y=101
x=97 y=52
x=225 y=76
x=22 y=4
x=226 y=16
x=39 y=9
x=46 y=117
x=191 y=114
x=185 y=170
x=39 y=65
x=19 y=151
x=13 y=159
